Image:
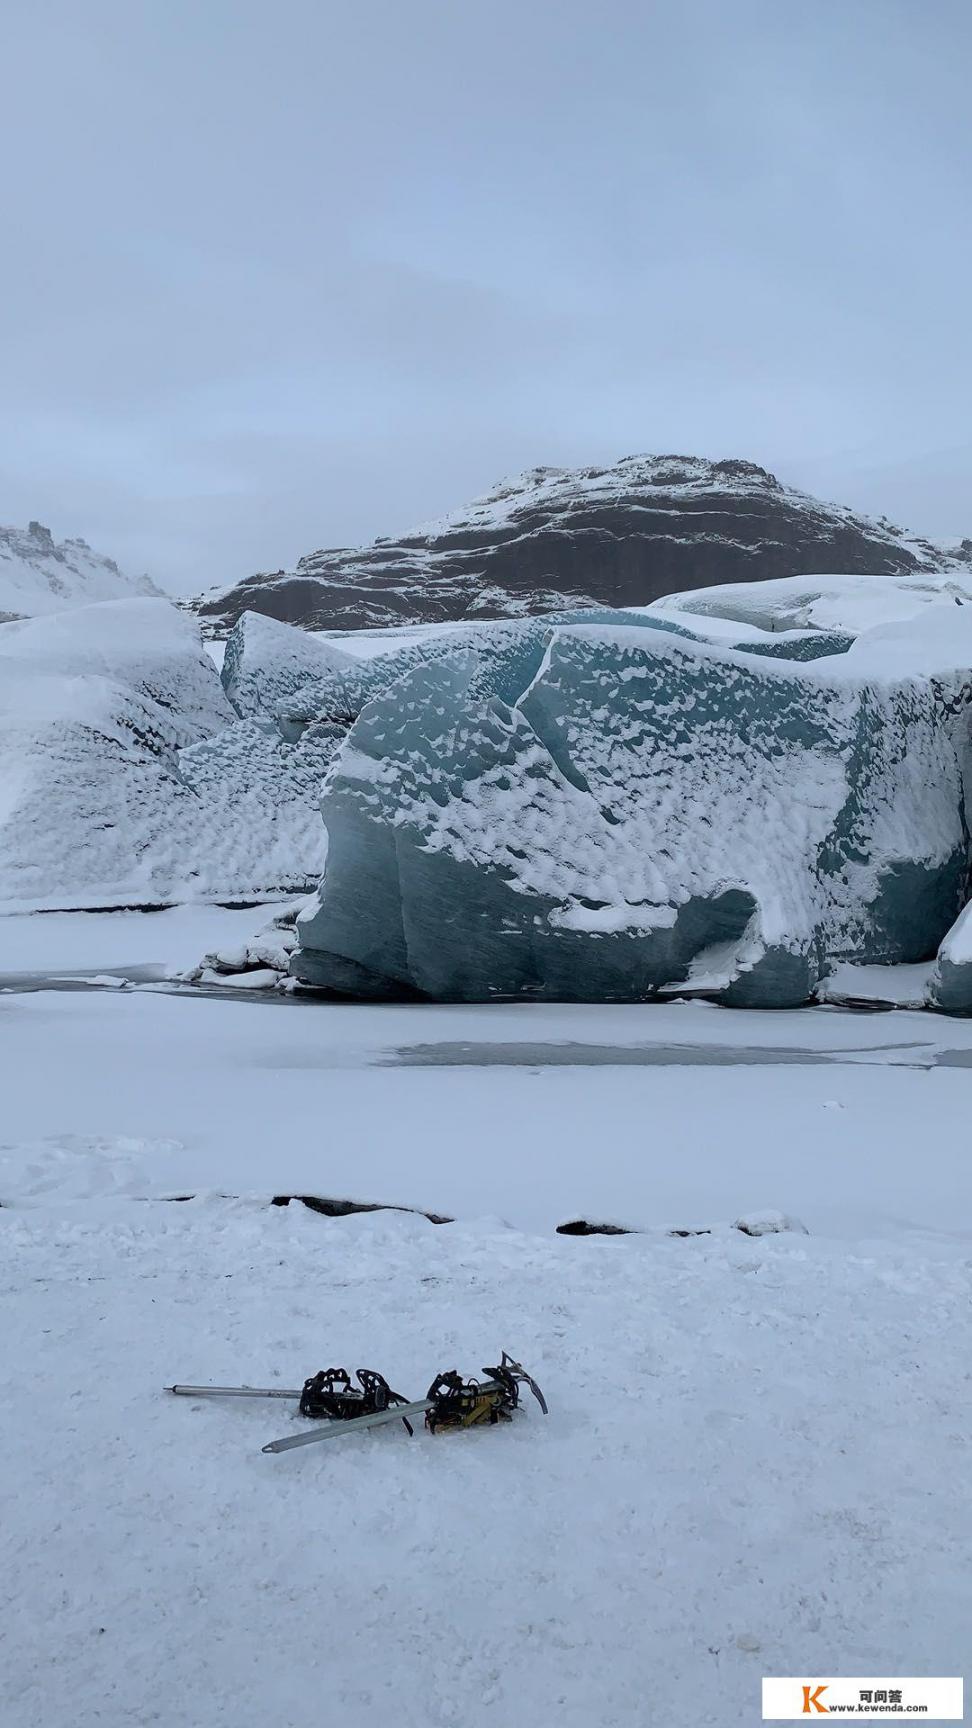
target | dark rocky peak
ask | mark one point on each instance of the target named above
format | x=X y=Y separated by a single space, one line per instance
x=618 y=535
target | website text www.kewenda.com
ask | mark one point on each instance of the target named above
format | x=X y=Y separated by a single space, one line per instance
x=864 y=1709
x=858 y=1699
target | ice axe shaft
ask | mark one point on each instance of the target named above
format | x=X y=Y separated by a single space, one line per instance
x=334 y=1430
x=232 y=1391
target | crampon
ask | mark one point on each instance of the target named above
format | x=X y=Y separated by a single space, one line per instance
x=331 y=1394
x=457 y=1403
x=327 y=1395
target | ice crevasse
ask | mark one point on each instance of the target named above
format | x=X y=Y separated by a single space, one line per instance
x=606 y=808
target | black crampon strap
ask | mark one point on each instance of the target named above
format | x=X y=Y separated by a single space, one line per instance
x=331 y=1395
x=376 y=1387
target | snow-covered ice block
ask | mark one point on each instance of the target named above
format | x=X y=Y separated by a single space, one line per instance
x=258 y=978
x=746 y=637
x=900 y=986
x=95 y=706
x=261 y=796
x=796 y=644
x=337 y=694
x=950 y=983
x=268 y=951
x=147 y=646
x=841 y=603
x=588 y=811
x=265 y=662
x=340 y=696
x=125 y=776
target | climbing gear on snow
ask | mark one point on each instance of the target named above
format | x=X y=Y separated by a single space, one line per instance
x=330 y=1397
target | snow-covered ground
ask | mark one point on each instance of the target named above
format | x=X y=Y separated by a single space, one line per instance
x=170 y=939
x=755 y=1461
x=756 y=1458
x=677 y=1115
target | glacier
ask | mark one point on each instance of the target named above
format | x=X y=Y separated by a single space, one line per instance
x=128 y=776
x=612 y=806
x=596 y=805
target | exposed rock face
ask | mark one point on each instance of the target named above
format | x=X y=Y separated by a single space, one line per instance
x=618 y=536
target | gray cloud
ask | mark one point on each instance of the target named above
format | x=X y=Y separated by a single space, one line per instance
x=274 y=278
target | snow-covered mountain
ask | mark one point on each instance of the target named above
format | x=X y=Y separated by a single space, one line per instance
x=615 y=536
x=38 y=575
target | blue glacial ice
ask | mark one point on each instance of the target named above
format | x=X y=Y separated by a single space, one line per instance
x=603 y=808
x=950 y=984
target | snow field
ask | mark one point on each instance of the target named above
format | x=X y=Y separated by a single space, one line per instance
x=756 y=1458
x=755 y=1461
x=656 y=1116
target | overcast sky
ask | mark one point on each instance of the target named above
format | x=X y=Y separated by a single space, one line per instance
x=283 y=275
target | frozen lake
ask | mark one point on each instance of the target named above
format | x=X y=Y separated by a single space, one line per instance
x=665 y=1114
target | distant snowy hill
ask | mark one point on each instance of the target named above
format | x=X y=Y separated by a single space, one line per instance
x=38 y=575
x=616 y=536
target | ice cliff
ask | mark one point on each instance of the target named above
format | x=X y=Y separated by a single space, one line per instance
x=727 y=795
x=596 y=810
